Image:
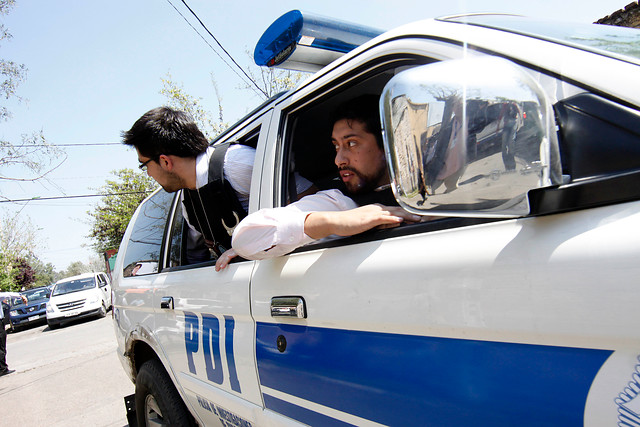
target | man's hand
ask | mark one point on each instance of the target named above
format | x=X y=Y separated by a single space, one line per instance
x=224 y=259
x=347 y=223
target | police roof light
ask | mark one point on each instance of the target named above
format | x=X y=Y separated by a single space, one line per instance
x=307 y=42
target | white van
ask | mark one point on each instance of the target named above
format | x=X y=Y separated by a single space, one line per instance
x=80 y=296
x=517 y=305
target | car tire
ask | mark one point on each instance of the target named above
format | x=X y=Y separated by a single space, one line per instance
x=102 y=312
x=53 y=326
x=157 y=400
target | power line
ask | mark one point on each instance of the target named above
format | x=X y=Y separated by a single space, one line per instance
x=37 y=199
x=219 y=44
x=91 y=144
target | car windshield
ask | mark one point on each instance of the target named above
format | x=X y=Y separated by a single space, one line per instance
x=16 y=301
x=74 y=286
x=36 y=294
x=617 y=42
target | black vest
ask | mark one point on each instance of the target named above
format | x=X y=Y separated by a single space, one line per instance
x=214 y=209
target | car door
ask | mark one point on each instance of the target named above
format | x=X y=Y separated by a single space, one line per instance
x=453 y=321
x=105 y=289
x=204 y=323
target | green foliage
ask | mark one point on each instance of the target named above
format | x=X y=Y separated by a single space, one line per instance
x=17 y=241
x=112 y=214
x=7 y=284
x=74 y=269
x=45 y=274
x=23 y=274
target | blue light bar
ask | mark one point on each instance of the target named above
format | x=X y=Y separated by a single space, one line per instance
x=307 y=42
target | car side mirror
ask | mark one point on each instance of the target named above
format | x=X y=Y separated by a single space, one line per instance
x=468 y=137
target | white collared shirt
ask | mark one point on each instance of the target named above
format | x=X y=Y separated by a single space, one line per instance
x=269 y=233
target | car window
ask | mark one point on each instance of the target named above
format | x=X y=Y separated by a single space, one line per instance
x=308 y=127
x=72 y=286
x=36 y=295
x=176 y=238
x=143 y=248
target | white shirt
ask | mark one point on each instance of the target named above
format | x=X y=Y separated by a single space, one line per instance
x=238 y=167
x=269 y=233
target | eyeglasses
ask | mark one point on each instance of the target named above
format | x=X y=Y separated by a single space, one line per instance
x=143 y=166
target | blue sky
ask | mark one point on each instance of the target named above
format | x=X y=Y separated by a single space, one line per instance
x=95 y=67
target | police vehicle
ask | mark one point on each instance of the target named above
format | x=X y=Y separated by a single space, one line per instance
x=516 y=303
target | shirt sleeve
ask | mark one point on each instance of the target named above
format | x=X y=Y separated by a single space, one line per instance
x=269 y=233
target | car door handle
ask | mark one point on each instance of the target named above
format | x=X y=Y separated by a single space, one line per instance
x=166 y=302
x=288 y=307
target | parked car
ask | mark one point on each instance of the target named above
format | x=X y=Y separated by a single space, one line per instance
x=29 y=307
x=77 y=297
x=516 y=305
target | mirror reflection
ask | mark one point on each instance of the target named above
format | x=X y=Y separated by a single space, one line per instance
x=467 y=137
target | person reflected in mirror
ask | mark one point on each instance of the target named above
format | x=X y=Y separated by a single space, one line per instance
x=368 y=202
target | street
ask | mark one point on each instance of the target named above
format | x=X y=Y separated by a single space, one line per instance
x=70 y=376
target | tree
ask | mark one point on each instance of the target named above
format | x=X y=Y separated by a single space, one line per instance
x=177 y=98
x=17 y=241
x=45 y=274
x=32 y=153
x=7 y=283
x=76 y=268
x=96 y=264
x=23 y=274
x=271 y=81
x=112 y=214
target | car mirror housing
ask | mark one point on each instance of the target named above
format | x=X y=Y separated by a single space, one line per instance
x=468 y=137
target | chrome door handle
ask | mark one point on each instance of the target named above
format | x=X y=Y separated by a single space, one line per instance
x=288 y=307
x=166 y=302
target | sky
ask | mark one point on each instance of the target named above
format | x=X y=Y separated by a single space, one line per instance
x=96 y=67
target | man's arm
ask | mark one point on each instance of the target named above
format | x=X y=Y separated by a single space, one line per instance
x=273 y=232
x=268 y=233
x=318 y=225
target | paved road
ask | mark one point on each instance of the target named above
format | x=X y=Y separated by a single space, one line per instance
x=66 y=377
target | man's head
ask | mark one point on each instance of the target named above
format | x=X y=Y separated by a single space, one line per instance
x=357 y=137
x=167 y=142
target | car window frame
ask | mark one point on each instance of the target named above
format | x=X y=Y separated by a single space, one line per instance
x=288 y=115
x=162 y=240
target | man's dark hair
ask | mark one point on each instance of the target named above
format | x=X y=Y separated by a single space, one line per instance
x=165 y=131
x=364 y=109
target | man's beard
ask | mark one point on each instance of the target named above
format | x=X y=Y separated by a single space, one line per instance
x=366 y=183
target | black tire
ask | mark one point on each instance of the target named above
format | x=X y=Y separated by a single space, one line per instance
x=102 y=312
x=158 y=402
x=53 y=326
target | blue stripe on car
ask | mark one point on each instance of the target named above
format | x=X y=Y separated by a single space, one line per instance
x=299 y=413
x=398 y=379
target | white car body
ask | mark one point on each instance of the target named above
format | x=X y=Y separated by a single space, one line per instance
x=94 y=299
x=513 y=321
